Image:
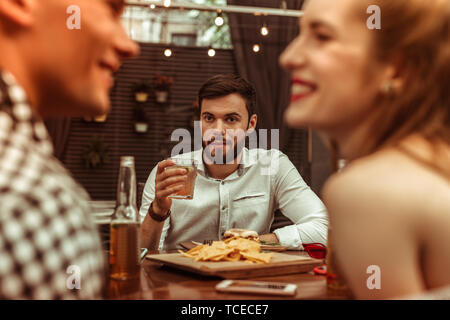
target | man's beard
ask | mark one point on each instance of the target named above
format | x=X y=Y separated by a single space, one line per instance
x=219 y=157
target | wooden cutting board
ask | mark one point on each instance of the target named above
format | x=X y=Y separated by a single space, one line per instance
x=280 y=264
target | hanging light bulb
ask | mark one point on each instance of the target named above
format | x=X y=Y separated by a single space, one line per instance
x=264 y=30
x=168 y=52
x=152 y=6
x=167 y=3
x=256 y=48
x=211 y=52
x=219 y=19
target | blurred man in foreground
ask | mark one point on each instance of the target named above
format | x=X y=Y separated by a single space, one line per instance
x=49 y=69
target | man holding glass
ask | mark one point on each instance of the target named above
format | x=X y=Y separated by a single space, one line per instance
x=233 y=187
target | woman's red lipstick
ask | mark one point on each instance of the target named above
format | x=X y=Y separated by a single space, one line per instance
x=298 y=96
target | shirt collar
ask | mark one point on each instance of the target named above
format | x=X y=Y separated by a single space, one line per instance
x=14 y=102
x=13 y=99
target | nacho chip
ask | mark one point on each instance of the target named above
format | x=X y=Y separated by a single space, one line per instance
x=231 y=249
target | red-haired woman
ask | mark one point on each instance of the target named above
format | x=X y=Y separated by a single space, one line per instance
x=381 y=97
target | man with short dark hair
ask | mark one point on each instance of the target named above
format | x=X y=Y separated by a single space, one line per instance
x=49 y=245
x=235 y=187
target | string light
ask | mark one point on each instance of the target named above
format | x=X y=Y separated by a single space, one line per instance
x=211 y=52
x=152 y=6
x=167 y=3
x=219 y=19
x=264 y=30
x=256 y=48
x=168 y=53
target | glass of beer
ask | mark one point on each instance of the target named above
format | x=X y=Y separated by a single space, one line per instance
x=187 y=192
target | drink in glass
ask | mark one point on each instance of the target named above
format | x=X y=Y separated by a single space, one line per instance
x=124 y=250
x=336 y=284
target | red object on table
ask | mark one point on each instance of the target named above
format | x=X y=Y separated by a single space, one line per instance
x=317 y=251
x=321 y=271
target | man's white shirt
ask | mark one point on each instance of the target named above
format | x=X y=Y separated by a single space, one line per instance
x=265 y=181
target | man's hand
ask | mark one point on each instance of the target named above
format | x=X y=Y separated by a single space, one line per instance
x=167 y=182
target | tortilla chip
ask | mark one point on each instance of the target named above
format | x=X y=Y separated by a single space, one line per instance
x=231 y=249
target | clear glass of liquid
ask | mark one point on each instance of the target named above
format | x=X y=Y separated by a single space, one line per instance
x=187 y=192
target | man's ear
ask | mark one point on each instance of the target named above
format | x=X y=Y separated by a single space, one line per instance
x=252 y=123
x=18 y=11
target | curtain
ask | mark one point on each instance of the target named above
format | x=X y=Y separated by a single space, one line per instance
x=262 y=69
x=58 y=129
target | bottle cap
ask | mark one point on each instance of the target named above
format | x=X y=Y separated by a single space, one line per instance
x=127 y=161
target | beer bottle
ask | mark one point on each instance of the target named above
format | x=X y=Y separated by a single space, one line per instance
x=124 y=236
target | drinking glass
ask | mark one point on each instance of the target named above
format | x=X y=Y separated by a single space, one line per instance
x=187 y=192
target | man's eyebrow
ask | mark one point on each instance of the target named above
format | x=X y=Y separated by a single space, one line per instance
x=233 y=114
x=226 y=115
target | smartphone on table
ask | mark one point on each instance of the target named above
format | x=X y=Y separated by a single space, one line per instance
x=257 y=287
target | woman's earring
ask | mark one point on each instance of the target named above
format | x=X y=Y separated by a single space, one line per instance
x=391 y=87
x=388 y=87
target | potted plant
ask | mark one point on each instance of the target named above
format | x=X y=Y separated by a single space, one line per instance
x=162 y=86
x=141 y=90
x=95 y=153
x=140 y=120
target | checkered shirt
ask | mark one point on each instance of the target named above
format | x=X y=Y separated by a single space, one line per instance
x=49 y=244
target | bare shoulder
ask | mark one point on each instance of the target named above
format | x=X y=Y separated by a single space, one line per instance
x=385 y=198
x=391 y=181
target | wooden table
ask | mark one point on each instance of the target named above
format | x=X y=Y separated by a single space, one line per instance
x=163 y=283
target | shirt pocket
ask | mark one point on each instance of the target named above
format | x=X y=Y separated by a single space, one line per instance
x=249 y=199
